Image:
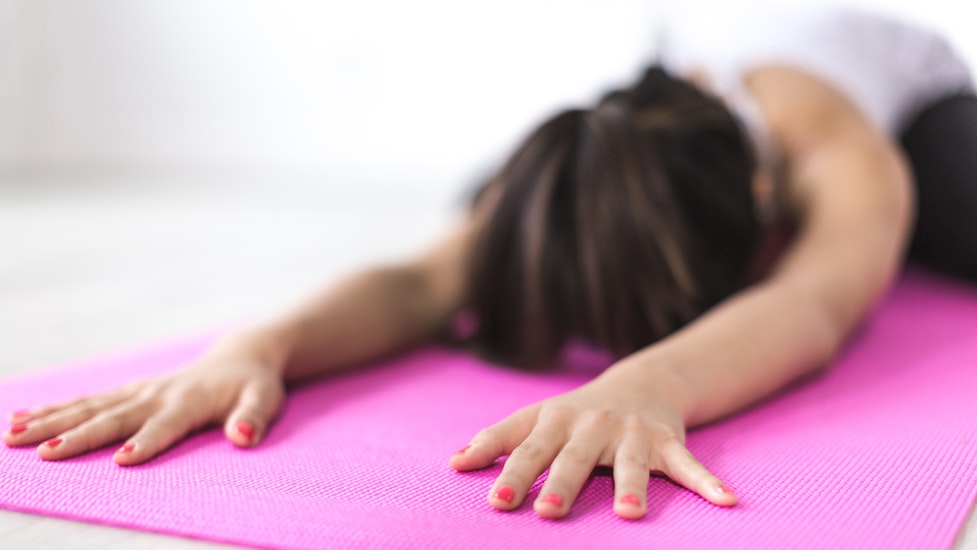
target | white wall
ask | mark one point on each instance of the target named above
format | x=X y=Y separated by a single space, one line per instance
x=429 y=84
x=435 y=88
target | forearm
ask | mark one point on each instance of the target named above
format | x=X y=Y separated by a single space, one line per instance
x=856 y=200
x=741 y=351
x=772 y=333
x=365 y=316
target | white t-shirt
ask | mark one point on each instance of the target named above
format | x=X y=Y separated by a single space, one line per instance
x=890 y=69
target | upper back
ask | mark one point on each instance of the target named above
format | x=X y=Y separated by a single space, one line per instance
x=887 y=68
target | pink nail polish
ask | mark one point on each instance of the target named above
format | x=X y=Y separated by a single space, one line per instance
x=245 y=429
x=633 y=500
x=505 y=493
x=127 y=448
x=552 y=498
x=463 y=449
x=18 y=428
x=53 y=442
x=21 y=412
x=723 y=490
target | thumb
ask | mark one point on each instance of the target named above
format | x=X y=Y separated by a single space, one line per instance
x=257 y=405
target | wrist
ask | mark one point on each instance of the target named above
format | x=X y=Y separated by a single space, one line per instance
x=270 y=345
x=662 y=378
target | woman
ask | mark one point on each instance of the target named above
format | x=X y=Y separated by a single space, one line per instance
x=651 y=225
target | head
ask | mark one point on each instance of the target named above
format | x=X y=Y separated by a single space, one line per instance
x=616 y=224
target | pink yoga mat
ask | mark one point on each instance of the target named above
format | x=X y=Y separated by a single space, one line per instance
x=881 y=452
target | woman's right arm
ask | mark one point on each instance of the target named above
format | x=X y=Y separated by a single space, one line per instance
x=239 y=381
x=371 y=314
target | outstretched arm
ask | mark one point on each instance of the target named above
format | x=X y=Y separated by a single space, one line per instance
x=368 y=315
x=852 y=191
x=239 y=382
x=853 y=194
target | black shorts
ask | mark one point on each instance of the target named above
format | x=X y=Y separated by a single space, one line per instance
x=941 y=143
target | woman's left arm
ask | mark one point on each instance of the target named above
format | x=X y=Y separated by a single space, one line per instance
x=853 y=193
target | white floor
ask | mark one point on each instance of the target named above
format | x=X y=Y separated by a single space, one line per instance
x=93 y=264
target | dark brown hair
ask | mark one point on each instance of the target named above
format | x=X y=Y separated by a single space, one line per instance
x=616 y=224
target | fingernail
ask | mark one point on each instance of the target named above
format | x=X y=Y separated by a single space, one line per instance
x=723 y=490
x=552 y=498
x=505 y=493
x=53 y=442
x=18 y=428
x=245 y=429
x=22 y=412
x=127 y=448
x=633 y=500
x=463 y=449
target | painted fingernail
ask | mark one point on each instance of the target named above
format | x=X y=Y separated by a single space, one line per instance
x=127 y=448
x=21 y=412
x=53 y=442
x=552 y=498
x=463 y=449
x=723 y=490
x=505 y=493
x=245 y=429
x=18 y=428
x=633 y=500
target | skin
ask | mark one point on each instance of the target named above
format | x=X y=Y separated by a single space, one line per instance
x=850 y=191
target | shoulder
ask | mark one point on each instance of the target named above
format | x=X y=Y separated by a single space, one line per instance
x=802 y=109
x=840 y=169
x=847 y=184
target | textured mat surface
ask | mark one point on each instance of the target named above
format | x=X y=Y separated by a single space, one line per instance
x=881 y=452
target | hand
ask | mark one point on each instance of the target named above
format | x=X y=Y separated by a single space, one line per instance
x=229 y=384
x=626 y=419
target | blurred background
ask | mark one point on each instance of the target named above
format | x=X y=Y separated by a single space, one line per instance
x=171 y=165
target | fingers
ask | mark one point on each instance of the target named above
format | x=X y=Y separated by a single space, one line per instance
x=39 y=412
x=159 y=415
x=497 y=440
x=683 y=468
x=257 y=405
x=44 y=424
x=36 y=413
x=570 y=446
x=545 y=446
x=102 y=429
x=158 y=433
x=631 y=474
x=571 y=468
x=525 y=464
